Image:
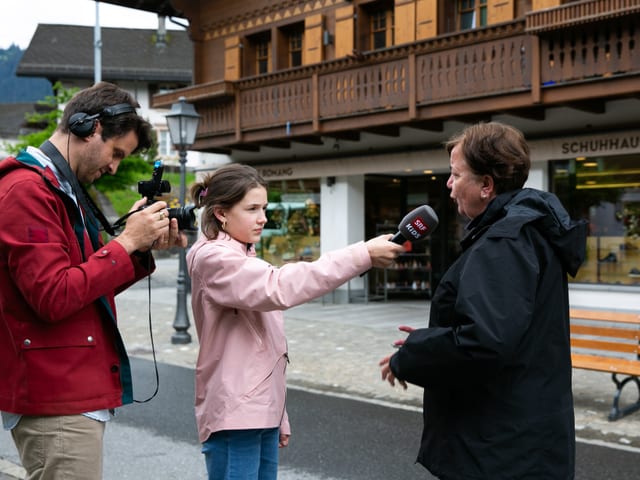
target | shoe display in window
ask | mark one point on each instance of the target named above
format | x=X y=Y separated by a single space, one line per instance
x=611 y=258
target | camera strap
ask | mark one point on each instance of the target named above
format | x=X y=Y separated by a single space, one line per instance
x=91 y=210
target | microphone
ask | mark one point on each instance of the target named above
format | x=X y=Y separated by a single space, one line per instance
x=416 y=225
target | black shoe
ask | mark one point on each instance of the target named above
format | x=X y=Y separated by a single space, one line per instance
x=611 y=258
x=634 y=272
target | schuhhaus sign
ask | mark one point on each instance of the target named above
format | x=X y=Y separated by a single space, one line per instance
x=611 y=144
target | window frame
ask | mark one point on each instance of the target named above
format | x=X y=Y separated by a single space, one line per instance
x=478 y=9
x=385 y=15
x=263 y=56
x=295 y=35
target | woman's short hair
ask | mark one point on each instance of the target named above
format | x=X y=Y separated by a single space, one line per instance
x=497 y=150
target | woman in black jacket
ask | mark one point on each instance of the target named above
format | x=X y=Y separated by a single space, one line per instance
x=495 y=360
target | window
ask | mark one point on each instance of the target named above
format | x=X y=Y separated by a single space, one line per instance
x=165 y=147
x=289 y=46
x=262 y=57
x=295 y=47
x=292 y=231
x=375 y=25
x=472 y=13
x=381 y=25
x=606 y=192
x=258 y=54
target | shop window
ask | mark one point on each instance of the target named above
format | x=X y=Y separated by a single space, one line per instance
x=472 y=14
x=292 y=231
x=387 y=200
x=606 y=192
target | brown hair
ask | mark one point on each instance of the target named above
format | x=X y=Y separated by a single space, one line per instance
x=497 y=150
x=95 y=99
x=223 y=189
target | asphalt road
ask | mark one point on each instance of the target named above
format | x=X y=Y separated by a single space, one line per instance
x=333 y=437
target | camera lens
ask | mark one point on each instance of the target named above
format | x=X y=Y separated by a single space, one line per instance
x=186 y=217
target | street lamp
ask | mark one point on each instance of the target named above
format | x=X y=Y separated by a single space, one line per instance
x=183 y=125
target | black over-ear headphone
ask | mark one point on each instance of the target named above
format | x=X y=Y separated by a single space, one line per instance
x=82 y=124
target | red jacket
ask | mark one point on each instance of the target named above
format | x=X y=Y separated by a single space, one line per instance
x=60 y=350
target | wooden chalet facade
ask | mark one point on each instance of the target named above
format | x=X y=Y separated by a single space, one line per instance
x=356 y=89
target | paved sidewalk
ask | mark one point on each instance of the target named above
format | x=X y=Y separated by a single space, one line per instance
x=336 y=348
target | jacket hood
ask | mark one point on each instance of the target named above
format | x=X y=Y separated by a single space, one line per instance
x=25 y=160
x=543 y=209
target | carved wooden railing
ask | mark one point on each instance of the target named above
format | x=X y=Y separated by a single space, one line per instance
x=463 y=72
x=579 y=13
x=364 y=89
x=279 y=103
x=405 y=79
x=590 y=52
x=216 y=117
x=477 y=70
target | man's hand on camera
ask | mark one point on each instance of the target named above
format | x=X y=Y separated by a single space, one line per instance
x=149 y=228
x=171 y=237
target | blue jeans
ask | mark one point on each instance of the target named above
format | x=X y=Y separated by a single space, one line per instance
x=242 y=454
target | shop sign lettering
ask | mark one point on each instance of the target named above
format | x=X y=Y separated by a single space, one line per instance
x=601 y=145
x=276 y=172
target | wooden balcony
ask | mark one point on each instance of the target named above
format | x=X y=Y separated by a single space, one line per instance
x=573 y=14
x=580 y=54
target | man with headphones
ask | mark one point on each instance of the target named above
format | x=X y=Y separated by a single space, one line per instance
x=63 y=364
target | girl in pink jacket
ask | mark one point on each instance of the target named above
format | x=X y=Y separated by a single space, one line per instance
x=237 y=302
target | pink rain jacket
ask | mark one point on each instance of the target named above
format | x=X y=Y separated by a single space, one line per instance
x=237 y=302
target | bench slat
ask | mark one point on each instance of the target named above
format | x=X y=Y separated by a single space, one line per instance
x=628 y=333
x=615 y=332
x=595 y=344
x=603 y=364
x=605 y=316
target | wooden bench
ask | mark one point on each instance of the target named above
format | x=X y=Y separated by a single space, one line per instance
x=608 y=341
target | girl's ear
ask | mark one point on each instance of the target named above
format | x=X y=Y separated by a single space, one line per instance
x=220 y=214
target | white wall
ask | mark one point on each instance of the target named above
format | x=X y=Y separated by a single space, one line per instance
x=342 y=222
x=604 y=297
x=538 y=177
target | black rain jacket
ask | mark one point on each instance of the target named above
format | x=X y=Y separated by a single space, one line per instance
x=495 y=360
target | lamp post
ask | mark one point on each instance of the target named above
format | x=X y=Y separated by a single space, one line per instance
x=183 y=124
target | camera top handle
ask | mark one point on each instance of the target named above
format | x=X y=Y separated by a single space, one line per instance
x=156 y=186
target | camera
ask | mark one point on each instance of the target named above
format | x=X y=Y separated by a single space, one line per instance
x=155 y=187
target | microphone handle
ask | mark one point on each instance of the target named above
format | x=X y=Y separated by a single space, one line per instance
x=398 y=238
